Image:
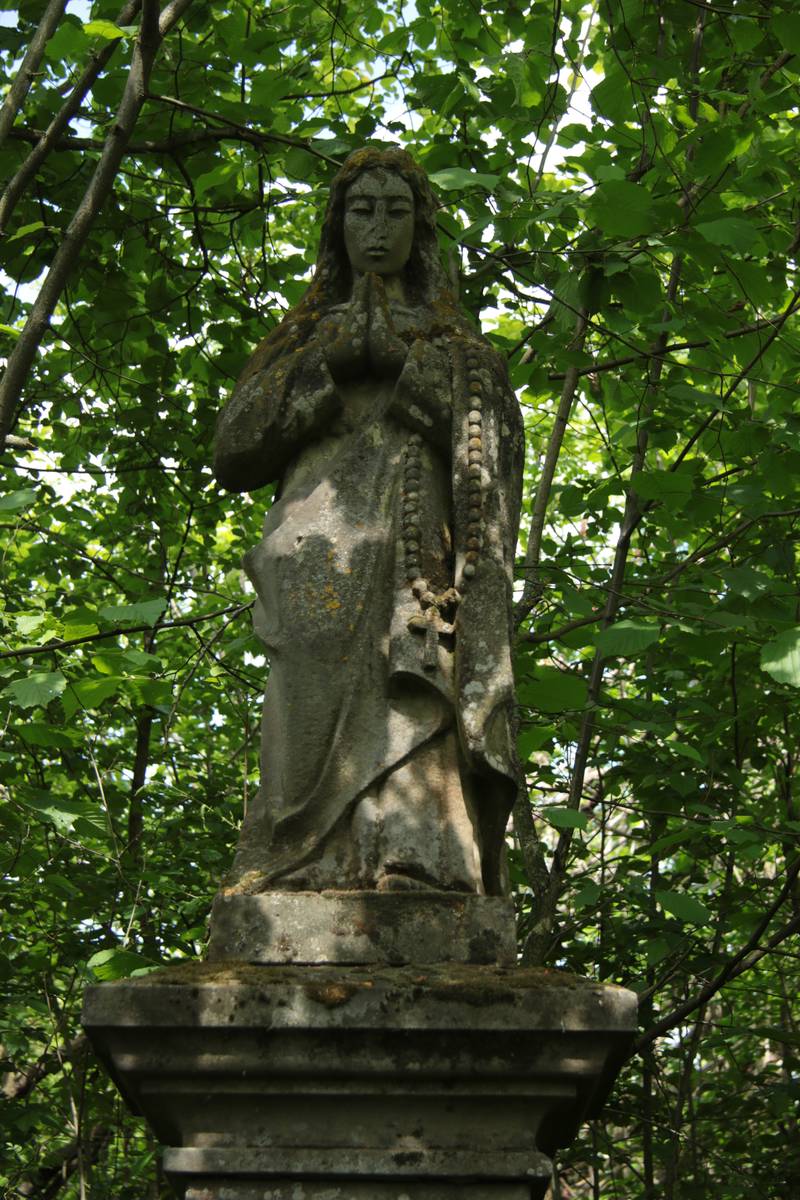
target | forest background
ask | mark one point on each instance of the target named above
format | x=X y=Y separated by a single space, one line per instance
x=618 y=182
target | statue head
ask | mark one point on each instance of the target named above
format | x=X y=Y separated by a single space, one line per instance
x=378 y=222
x=381 y=217
x=367 y=178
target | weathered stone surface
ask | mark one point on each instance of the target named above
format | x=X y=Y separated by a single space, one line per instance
x=384 y=573
x=356 y=1082
x=218 y=1188
x=363 y=927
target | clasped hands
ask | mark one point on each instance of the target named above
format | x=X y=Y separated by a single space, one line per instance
x=363 y=341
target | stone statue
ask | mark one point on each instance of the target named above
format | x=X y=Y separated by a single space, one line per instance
x=384 y=572
x=360 y=1027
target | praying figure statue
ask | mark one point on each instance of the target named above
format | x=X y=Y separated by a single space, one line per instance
x=384 y=572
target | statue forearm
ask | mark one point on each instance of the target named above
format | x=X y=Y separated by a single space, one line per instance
x=422 y=397
x=270 y=416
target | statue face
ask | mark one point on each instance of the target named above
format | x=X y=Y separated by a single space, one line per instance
x=378 y=222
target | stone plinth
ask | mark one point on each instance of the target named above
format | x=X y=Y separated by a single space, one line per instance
x=363 y=927
x=287 y=1082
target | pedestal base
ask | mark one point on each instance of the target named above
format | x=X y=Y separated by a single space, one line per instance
x=290 y=1189
x=394 y=928
x=361 y=1083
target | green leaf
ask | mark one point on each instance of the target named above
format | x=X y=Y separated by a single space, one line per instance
x=90 y=693
x=524 y=74
x=142 y=660
x=627 y=638
x=735 y=232
x=551 y=690
x=780 y=658
x=28 y=623
x=458 y=179
x=566 y=818
x=684 y=907
x=612 y=96
x=105 y=29
x=662 y=485
x=588 y=895
x=686 y=751
x=37 y=689
x=622 y=209
x=36 y=733
x=656 y=950
x=59 y=810
x=146 y=612
x=532 y=739
x=16 y=501
x=72 y=632
x=152 y=691
x=10 y=330
x=219 y=177
x=678 y=837
x=106 y=965
x=787 y=27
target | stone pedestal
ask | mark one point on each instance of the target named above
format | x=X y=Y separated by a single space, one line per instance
x=424 y=1081
x=384 y=928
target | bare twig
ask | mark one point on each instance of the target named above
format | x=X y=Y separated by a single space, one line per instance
x=777 y=65
x=657 y=585
x=30 y=64
x=775 y=329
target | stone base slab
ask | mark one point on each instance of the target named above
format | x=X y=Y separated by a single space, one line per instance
x=362 y=927
x=361 y=1083
x=321 y=1189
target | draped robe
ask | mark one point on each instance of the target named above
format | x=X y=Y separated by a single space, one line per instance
x=350 y=707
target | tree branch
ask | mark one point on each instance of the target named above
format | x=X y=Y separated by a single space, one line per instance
x=48 y=1181
x=19 y=443
x=553 y=635
x=530 y=589
x=49 y=139
x=30 y=63
x=538 y=944
x=243 y=131
x=658 y=585
x=182 y=141
x=65 y=258
x=67 y=644
x=775 y=329
x=17 y=1084
x=674 y=347
x=736 y=966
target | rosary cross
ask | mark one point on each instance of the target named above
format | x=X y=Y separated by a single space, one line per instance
x=431 y=621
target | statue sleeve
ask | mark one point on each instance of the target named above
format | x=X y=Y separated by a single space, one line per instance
x=273 y=412
x=422 y=397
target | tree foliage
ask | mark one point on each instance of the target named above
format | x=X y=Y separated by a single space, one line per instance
x=618 y=187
